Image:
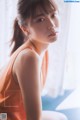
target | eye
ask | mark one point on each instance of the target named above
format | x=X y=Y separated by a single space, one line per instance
x=54 y=15
x=40 y=19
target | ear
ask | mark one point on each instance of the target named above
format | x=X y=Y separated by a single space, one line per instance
x=25 y=30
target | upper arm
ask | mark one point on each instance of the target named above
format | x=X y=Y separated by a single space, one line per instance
x=28 y=75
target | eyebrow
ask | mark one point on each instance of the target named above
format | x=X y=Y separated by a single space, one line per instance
x=42 y=14
x=39 y=15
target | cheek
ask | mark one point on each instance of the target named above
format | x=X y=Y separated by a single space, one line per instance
x=40 y=30
x=35 y=33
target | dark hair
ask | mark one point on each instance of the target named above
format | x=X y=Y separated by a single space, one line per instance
x=27 y=9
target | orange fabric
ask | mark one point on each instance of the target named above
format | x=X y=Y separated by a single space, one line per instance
x=10 y=94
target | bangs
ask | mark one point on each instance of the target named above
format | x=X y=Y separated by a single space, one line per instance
x=45 y=5
x=30 y=9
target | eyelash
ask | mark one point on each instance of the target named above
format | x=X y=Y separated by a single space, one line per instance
x=54 y=15
x=40 y=19
x=43 y=19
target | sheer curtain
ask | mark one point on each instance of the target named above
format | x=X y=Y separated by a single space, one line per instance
x=72 y=63
x=7 y=15
x=64 y=53
x=57 y=51
x=65 y=66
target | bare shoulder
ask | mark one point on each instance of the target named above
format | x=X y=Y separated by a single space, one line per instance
x=27 y=54
x=26 y=60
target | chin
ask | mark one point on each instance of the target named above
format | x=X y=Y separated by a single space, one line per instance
x=53 y=40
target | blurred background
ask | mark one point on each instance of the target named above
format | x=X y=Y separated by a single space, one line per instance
x=64 y=62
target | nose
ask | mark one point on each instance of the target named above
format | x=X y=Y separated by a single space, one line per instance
x=51 y=24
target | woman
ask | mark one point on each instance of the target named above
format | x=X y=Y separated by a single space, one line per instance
x=23 y=79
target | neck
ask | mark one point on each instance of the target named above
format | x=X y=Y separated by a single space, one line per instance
x=40 y=48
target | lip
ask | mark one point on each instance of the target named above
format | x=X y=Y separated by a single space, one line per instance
x=53 y=34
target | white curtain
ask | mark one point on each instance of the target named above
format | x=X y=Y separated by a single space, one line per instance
x=57 y=52
x=65 y=68
x=72 y=63
x=64 y=53
x=7 y=15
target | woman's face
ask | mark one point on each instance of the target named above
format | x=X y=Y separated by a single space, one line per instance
x=44 y=27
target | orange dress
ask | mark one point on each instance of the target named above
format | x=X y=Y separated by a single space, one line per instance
x=10 y=94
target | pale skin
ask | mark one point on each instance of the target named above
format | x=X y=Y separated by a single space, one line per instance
x=38 y=30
